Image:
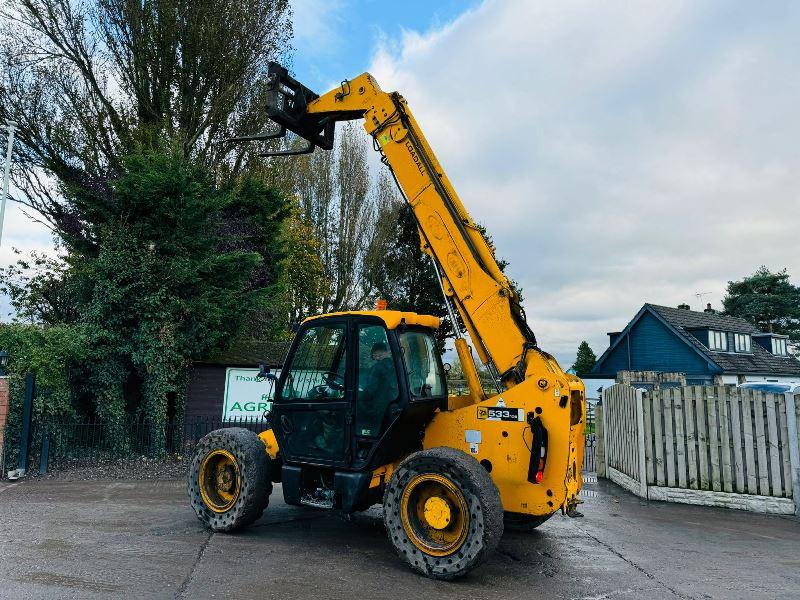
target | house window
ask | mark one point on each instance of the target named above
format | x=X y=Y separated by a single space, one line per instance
x=717 y=340
x=742 y=342
x=779 y=346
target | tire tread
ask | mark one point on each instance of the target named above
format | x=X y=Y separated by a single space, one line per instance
x=254 y=469
x=480 y=492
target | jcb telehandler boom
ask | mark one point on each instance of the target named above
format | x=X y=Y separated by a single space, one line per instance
x=361 y=413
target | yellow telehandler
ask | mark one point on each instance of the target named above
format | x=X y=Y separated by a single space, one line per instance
x=361 y=413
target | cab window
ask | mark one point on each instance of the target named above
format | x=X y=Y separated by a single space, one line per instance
x=378 y=387
x=425 y=377
x=318 y=367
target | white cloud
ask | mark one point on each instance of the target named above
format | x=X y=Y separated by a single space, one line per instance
x=22 y=233
x=618 y=152
x=316 y=24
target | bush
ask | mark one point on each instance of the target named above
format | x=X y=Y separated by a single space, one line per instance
x=56 y=355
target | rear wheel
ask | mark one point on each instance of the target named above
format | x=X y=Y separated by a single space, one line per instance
x=523 y=523
x=442 y=512
x=229 y=479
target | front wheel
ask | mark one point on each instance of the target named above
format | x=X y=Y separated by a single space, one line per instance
x=229 y=479
x=442 y=512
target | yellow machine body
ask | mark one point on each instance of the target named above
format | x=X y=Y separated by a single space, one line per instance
x=505 y=446
x=490 y=311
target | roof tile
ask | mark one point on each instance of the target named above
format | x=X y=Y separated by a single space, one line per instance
x=760 y=361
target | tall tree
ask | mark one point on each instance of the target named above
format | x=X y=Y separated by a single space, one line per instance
x=404 y=276
x=172 y=281
x=170 y=245
x=91 y=81
x=585 y=360
x=40 y=290
x=304 y=283
x=768 y=300
x=347 y=209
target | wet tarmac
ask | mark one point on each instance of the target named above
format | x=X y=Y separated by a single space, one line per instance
x=140 y=539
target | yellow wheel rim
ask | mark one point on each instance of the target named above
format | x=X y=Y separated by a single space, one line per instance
x=219 y=480
x=435 y=514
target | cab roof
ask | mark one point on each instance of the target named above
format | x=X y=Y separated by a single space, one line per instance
x=391 y=318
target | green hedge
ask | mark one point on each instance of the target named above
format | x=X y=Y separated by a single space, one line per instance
x=55 y=354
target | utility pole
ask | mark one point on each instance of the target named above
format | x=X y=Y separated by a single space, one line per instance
x=11 y=126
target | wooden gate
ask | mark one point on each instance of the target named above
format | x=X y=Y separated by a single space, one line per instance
x=621 y=416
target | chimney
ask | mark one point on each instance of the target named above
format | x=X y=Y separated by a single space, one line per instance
x=708 y=309
x=684 y=306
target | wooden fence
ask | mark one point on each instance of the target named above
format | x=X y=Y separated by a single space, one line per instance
x=712 y=445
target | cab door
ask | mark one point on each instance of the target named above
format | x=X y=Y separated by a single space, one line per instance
x=312 y=410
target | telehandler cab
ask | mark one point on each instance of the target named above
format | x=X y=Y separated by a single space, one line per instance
x=361 y=414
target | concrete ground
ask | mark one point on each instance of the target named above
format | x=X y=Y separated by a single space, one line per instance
x=122 y=539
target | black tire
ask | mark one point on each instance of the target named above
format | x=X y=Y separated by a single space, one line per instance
x=254 y=482
x=484 y=520
x=523 y=523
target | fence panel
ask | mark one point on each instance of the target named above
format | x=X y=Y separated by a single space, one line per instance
x=723 y=396
x=773 y=446
x=691 y=441
x=761 y=445
x=620 y=430
x=737 y=441
x=709 y=395
x=788 y=484
x=680 y=438
x=749 y=441
x=669 y=438
x=711 y=439
x=658 y=439
x=648 y=438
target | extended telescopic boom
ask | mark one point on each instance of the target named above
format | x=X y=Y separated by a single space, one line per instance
x=484 y=297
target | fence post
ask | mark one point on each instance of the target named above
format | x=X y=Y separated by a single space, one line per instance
x=641 y=442
x=44 y=459
x=600 y=449
x=606 y=424
x=794 y=453
x=27 y=417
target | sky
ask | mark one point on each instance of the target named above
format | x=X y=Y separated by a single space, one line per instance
x=618 y=152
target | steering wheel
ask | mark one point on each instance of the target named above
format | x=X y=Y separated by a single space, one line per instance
x=332 y=378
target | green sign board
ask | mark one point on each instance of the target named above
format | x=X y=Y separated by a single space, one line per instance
x=246 y=395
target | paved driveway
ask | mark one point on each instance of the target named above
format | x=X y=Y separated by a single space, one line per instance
x=124 y=539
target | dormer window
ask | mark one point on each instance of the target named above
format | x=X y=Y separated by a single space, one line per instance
x=741 y=342
x=779 y=347
x=717 y=340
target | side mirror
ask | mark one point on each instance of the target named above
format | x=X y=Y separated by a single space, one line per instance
x=264 y=373
x=447 y=367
